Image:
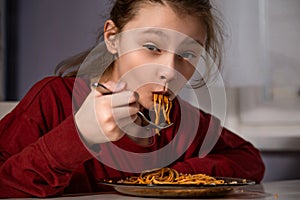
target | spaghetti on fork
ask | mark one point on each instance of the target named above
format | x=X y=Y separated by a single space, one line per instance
x=162 y=107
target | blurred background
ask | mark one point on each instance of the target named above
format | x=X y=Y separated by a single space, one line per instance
x=261 y=66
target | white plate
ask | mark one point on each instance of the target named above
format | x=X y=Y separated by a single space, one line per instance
x=180 y=190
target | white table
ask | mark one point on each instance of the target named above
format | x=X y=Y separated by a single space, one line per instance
x=282 y=190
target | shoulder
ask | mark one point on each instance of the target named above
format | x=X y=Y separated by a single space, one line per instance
x=52 y=81
x=57 y=85
x=191 y=114
x=187 y=108
x=45 y=99
x=50 y=90
x=48 y=86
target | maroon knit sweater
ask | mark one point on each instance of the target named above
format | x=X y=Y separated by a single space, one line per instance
x=41 y=153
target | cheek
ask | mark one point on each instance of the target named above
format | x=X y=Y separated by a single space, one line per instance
x=146 y=96
x=186 y=70
x=131 y=61
x=135 y=70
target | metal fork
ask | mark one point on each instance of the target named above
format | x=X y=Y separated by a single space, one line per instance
x=161 y=126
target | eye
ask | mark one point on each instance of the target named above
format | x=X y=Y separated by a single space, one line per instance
x=187 y=55
x=152 y=47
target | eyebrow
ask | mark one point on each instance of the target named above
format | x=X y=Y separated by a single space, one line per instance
x=156 y=32
x=192 y=42
x=164 y=35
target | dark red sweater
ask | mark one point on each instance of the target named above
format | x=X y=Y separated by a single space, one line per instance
x=41 y=153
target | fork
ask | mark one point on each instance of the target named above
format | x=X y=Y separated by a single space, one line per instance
x=161 y=126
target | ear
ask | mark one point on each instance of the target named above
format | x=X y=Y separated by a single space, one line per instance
x=110 y=34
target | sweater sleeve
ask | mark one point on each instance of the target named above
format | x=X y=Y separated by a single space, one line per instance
x=231 y=156
x=39 y=144
x=240 y=160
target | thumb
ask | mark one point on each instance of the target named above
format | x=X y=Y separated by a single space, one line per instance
x=116 y=87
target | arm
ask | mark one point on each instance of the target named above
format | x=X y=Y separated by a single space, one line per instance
x=43 y=168
x=38 y=141
x=239 y=160
x=231 y=156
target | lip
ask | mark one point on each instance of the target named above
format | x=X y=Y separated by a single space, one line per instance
x=169 y=94
x=165 y=93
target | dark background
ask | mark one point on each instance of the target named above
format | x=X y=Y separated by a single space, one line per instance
x=41 y=33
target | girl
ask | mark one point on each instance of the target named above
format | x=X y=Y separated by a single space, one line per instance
x=68 y=132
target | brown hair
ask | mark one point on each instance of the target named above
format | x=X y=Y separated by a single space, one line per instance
x=124 y=11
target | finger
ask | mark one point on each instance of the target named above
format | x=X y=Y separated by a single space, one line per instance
x=101 y=88
x=115 y=87
x=126 y=121
x=109 y=87
x=132 y=128
x=125 y=111
x=124 y=98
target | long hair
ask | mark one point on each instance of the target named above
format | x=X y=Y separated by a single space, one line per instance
x=124 y=11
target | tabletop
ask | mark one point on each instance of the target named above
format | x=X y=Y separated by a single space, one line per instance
x=281 y=190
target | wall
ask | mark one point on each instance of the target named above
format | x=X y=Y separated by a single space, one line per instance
x=52 y=30
x=2 y=46
x=262 y=64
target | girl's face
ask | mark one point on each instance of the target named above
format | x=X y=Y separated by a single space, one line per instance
x=158 y=51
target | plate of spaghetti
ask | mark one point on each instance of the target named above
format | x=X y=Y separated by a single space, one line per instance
x=167 y=182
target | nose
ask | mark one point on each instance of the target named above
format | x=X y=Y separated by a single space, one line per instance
x=168 y=70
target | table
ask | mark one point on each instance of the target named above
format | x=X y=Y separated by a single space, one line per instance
x=281 y=190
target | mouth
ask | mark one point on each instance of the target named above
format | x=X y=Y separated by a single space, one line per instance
x=166 y=93
x=162 y=105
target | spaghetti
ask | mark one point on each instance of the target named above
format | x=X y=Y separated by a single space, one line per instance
x=162 y=107
x=171 y=176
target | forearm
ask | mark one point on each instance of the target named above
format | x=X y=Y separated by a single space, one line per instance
x=223 y=165
x=44 y=168
x=32 y=173
x=231 y=157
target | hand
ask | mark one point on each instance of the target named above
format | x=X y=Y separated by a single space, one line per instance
x=102 y=116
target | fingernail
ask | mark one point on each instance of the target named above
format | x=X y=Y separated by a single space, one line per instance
x=136 y=95
x=120 y=86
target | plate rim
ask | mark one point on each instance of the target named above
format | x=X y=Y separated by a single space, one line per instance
x=246 y=182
